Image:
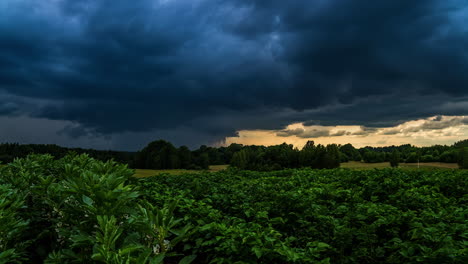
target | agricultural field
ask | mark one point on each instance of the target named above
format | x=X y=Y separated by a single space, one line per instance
x=143 y=173
x=380 y=165
x=80 y=210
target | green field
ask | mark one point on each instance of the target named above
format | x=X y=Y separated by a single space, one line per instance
x=143 y=173
x=321 y=216
x=380 y=165
x=80 y=210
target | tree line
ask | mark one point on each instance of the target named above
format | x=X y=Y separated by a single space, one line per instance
x=11 y=151
x=161 y=154
x=283 y=156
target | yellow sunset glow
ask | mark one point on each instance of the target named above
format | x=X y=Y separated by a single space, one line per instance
x=422 y=132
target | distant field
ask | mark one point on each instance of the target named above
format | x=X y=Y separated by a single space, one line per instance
x=427 y=165
x=141 y=173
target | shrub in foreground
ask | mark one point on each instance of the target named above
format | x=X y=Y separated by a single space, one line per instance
x=79 y=210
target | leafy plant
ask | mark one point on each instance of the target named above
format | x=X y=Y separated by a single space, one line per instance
x=79 y=210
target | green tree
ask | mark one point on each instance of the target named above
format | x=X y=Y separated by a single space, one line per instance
x=185 y=157
x=463 y=158
x=394 y=158
x=352 y=153
x=412 y=158
x=307 y=155
x=332 y=157
x=158 y=154
x=204 y=161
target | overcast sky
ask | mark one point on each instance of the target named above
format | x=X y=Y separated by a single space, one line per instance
x=118 y=74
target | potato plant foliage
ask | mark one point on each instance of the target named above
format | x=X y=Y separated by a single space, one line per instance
x=79 y=210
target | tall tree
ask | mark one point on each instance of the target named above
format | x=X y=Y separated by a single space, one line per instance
x=350 y=152
x=158 y=154
x=307 y=155
x=463 y=158
x=185 y=157
x=332 y=157
x=394 y=158
x=240 y=159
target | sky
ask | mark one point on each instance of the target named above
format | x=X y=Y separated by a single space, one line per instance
x=117 y=74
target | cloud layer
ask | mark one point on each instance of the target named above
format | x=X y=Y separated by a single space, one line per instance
x=432 y=124
x=421 y=132
x=211 y=67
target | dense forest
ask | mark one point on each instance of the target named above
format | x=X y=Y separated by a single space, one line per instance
x=161 y=154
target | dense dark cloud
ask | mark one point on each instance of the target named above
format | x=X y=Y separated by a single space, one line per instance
x=212 y=67
x=7 y=108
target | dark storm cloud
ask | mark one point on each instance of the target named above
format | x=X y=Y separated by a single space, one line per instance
x=73 y=131
x=7 y=108
x=216 y=66
x=78 y=131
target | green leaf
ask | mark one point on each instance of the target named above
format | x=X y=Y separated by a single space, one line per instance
x=187 y=259
x=158 y=259
x=129 y=249
x=258 y=252
x=87 y=200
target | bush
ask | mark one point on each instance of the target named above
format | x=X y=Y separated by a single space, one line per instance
x=12 y=225
x=81 y=210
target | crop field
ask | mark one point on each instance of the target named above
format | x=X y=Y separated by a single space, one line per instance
x=80 y=210
x=143 y=173
x=380 y=165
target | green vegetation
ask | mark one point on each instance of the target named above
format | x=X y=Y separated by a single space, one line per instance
x=80 y=210
x=10 y=151
x=382 y=165
x=142 y=173
x=314 y=216
x=394 y=159
x=463 y=159
x=162 y=155
x=284 y=156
